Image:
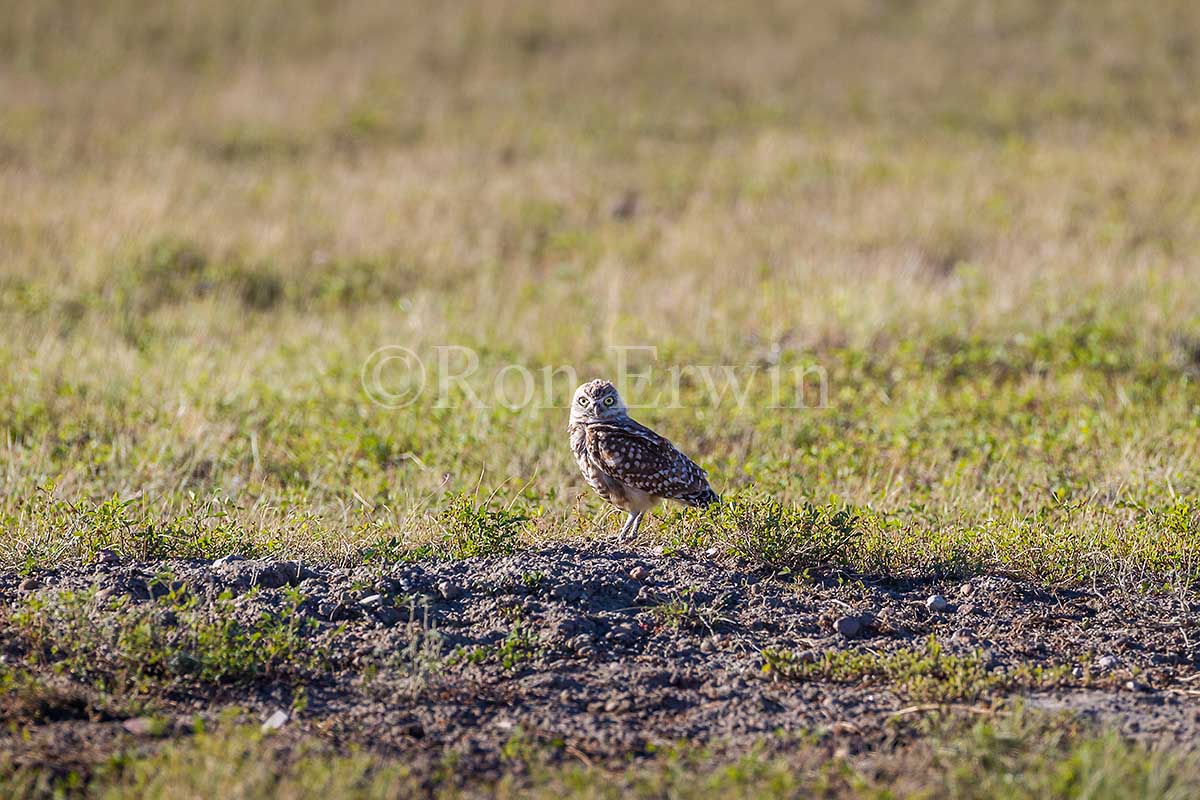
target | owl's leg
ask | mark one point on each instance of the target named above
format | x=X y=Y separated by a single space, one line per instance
x=621 y=537
x=631 y=526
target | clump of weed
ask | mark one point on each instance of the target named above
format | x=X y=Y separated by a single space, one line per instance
x=121 y=644
x=26 y=696
x=419 y=661
x=470 y=529
x=520 y=645
x=690 y=610
x=778 y=536
x=359 y=281
x=924 y=674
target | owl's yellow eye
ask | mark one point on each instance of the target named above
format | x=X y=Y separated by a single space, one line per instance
x=608 y=401
x=583 y=401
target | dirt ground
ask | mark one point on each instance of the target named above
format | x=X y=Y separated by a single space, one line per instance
x=606 y=650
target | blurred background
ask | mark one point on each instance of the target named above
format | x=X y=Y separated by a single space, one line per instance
x=981 y=219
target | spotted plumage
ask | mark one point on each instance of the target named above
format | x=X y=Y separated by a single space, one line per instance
x=628 y=464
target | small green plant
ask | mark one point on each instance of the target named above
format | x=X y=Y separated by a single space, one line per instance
x=533 y=580
x=520 y=645
x=686 y=610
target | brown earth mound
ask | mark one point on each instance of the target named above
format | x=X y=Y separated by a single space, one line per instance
x=604 y=651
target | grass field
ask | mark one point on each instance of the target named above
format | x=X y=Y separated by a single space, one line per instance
x=968 y=231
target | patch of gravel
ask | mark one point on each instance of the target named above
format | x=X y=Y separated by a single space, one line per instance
x=616 y=649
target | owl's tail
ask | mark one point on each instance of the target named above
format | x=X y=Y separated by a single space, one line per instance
x=701 y=498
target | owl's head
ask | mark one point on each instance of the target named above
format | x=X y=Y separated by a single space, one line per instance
x=597 y=401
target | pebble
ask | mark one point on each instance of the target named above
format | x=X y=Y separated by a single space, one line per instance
x=1107 y=662
x=29 y=584
x=868 y=619
x=276 y=721
x=1077 y=672
x=1135 y=686
x=138 y=726
x=936 y=603
x=387 y=615
x=569 y=592
x=371 y=600
x=708 y=646
x=618 y=704
x=626 y=206
x=449 y=590
x=621 y=634
x=279 y=574
x=229 y=559
x=847 y=627
x=639 y=573
x=107 y=556
x=963 y=635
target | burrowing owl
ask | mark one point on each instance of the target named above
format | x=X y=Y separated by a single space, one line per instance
x=628 y=464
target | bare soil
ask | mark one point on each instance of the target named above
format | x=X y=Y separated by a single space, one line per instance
x=616 y=649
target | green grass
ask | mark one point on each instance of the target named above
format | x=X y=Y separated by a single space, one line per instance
x=969 y=228
x=777 y=536
x=125 y=648
x=925 y=674
x=1013 y=755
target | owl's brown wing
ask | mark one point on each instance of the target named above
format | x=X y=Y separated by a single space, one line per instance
x=639 y=457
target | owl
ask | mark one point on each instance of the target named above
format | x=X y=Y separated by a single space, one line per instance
x=628 y=464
